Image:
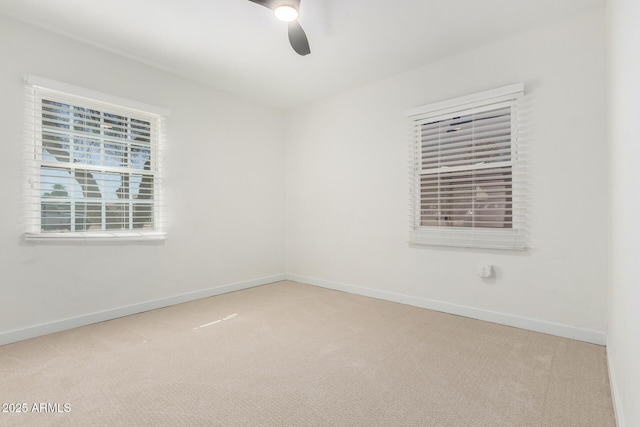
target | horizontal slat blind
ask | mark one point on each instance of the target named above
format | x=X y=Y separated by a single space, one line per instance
x=467 y=183
x=94 y=168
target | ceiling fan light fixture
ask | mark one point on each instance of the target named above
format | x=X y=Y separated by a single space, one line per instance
x=286 y=13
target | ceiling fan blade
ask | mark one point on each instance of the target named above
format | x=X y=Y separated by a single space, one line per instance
x=298 y=39
x=265 y=3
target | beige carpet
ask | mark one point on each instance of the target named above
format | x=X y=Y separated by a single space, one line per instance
x=288 y=354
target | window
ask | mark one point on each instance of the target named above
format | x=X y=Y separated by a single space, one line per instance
x=94 y=165
x=467 y=176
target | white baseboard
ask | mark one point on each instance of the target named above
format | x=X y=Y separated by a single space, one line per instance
x=615 y=391
x=566 y=331
x=101 y=316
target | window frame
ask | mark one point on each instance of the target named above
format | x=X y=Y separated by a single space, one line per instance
x=513 y=238
x=38 y=89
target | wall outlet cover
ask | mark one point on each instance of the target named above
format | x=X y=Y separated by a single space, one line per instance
x=485 y=271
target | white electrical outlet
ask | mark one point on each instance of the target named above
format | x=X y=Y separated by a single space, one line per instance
x=485 y=271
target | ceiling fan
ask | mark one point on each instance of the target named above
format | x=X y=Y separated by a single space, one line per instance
x=288 y=11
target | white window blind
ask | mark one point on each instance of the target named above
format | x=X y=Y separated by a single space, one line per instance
x=94 y=165
x=467 y=175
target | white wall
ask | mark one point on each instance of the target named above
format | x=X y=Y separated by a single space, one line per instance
x=347 y=187
x=224 y=182
x=623 y=337
x=346 y=191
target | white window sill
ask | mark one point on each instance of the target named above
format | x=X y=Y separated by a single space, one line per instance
x=466 y=237
x=94 y=237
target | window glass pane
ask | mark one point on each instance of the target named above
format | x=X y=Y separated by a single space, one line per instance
x=142 y=214
x=86 y=120
x=128 y=200
x=446 y=201
x=466 y=140
x=86 y=152
x=112 y=186
x=55 y=148
x=141 y=187
x=117 y=215
x=55 y=215
x=55 y=183
x=141 y=131
x=140 y=157
x=88 y=216
x=55 y=114
x=115 y=154
x=115 y=126
x=493 y=203
x=473 y=199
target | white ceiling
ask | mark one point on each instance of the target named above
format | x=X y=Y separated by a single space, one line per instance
x=239 y=47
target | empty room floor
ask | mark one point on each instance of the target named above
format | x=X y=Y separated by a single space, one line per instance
x=288 y=354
